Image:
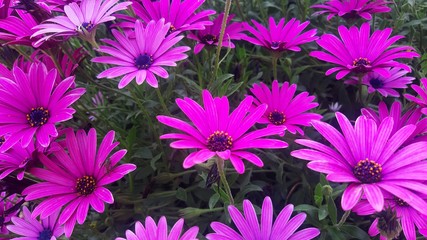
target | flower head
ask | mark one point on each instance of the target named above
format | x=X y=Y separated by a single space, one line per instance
x=81 y=19
x=180 y=14
x=283 y=228
x=160 y=231
x=32 y=229
x=216 y=132
x=19 y=28
x=16 y=160
x=349 y=9
x=210 y=35
x=283 y=108
x=31 y=105
x=422 y=100
x=74 y=177
x=7 y=210
x=370 y=159
x=142 y=57
x=359 y=52
x=280 y=37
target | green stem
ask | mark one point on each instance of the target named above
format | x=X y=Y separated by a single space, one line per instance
x=343 y=218
x=221 y=37
x=162 y=101
x=220 y=165
x=359 y=81
x=274 y=63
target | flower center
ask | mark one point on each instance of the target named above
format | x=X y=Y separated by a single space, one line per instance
x=2 y=140
x=87 y=26
x=46 y=234
x=85 y=185
x=368 y=171
x=276 y=117
x=38 y=116
x=275 y=45
x=376 y=83
x=209 y=39
x=219 y=141
x=143 y=61
x=361 y=64
x=400 y=202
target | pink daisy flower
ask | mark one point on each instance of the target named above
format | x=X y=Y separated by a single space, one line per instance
x=138 y=59
x=360 y=52
x=370 y=159
x=385 y=85
x=283 y=108
x=409 y=217
x=280 y=37
x=210 y=35
x=31 y=105
x=31 y=229
x=18 y=29
x=218 y=133
x=16 y=160
x=180 y=14
x=75 y=178
x=283 y=228
x=81 y=19
x=422 y=100
x=7 y=203
x=160 y=231
x=350 y=9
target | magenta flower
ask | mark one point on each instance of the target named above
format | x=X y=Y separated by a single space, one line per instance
x=408 y=216
x=370 y=159
x=218 y=133
x=283 y=228
x=360 y=52
x=210 y=35
x=422 y=100
x=349 y=9
x=32 y=229
x=385 y=85
x=144 y=57
x=18 y=29
x=81 y=19
x=16 y=160
x=160 y=231
x=30 y=105
x=180 y=14
x=280 y=37
x=7 y=203
x=283 y=108
x=74 y=178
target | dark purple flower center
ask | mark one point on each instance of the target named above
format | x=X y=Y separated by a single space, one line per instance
x=143 y=61
x=38 y=116
x=353 y=14
x=361 y=64
x=275 y=45
x=209 y=39
x=87 y=26
x=219 y=141
x=368 y=171
x=85 y=185
x=376 y=83
x=276 y=117
x=46 y=234
x=2 y=140
x=400 y=202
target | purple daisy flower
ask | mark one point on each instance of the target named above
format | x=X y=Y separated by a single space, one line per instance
x=32 y=229
x=408 y=216
x=283 y=228
x=81 y=19
x=210 y=35
x=18 y=29
x=218 y=133
x=422 y=100
x=350 y=9
x=360 y=52
x=160 y=231
x=180 y=14
x=385 y=85
x=7 y=203
x=75 y=179
x=138 y=59
x=283 y=108
x=370 y=159
x=280 y=37
x=31 y=105
x=16 y=160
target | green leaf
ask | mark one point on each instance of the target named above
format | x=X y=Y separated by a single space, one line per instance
x=213 y=200
x=332 y=209
x=323 y=213
x=355 y=232
x=318 y=195
x=181 y=194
